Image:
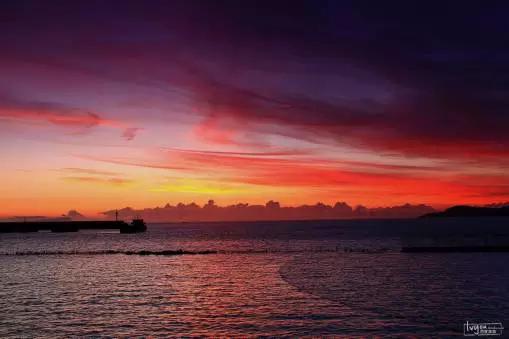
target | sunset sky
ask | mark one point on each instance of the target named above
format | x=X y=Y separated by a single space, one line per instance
x=107 y=104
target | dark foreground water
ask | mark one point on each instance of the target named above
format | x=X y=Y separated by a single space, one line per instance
x=295 y=278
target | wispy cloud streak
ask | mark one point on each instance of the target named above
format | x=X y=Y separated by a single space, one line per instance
x=74 y=119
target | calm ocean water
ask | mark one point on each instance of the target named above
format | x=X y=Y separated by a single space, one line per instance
x=268 y=278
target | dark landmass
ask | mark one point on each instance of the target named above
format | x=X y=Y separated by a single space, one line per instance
x=470 y=211
x=272 y=210
x=72 y=215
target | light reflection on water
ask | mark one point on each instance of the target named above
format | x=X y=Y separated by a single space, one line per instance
x=274 y=293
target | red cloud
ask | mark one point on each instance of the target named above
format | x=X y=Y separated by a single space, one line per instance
x=89 y=175
x=111 y=181
x=445 y=124
x=72 y=118
x=130 y=132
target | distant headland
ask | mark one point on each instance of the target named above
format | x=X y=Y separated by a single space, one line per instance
x=470 y=211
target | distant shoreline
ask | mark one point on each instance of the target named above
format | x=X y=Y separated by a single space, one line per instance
x=470 y=212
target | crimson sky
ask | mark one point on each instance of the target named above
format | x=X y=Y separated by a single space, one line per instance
x=107 y=104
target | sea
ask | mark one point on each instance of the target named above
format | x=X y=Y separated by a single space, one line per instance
x=344 y=278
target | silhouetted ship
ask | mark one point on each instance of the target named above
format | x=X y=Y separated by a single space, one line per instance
x=136 y=226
